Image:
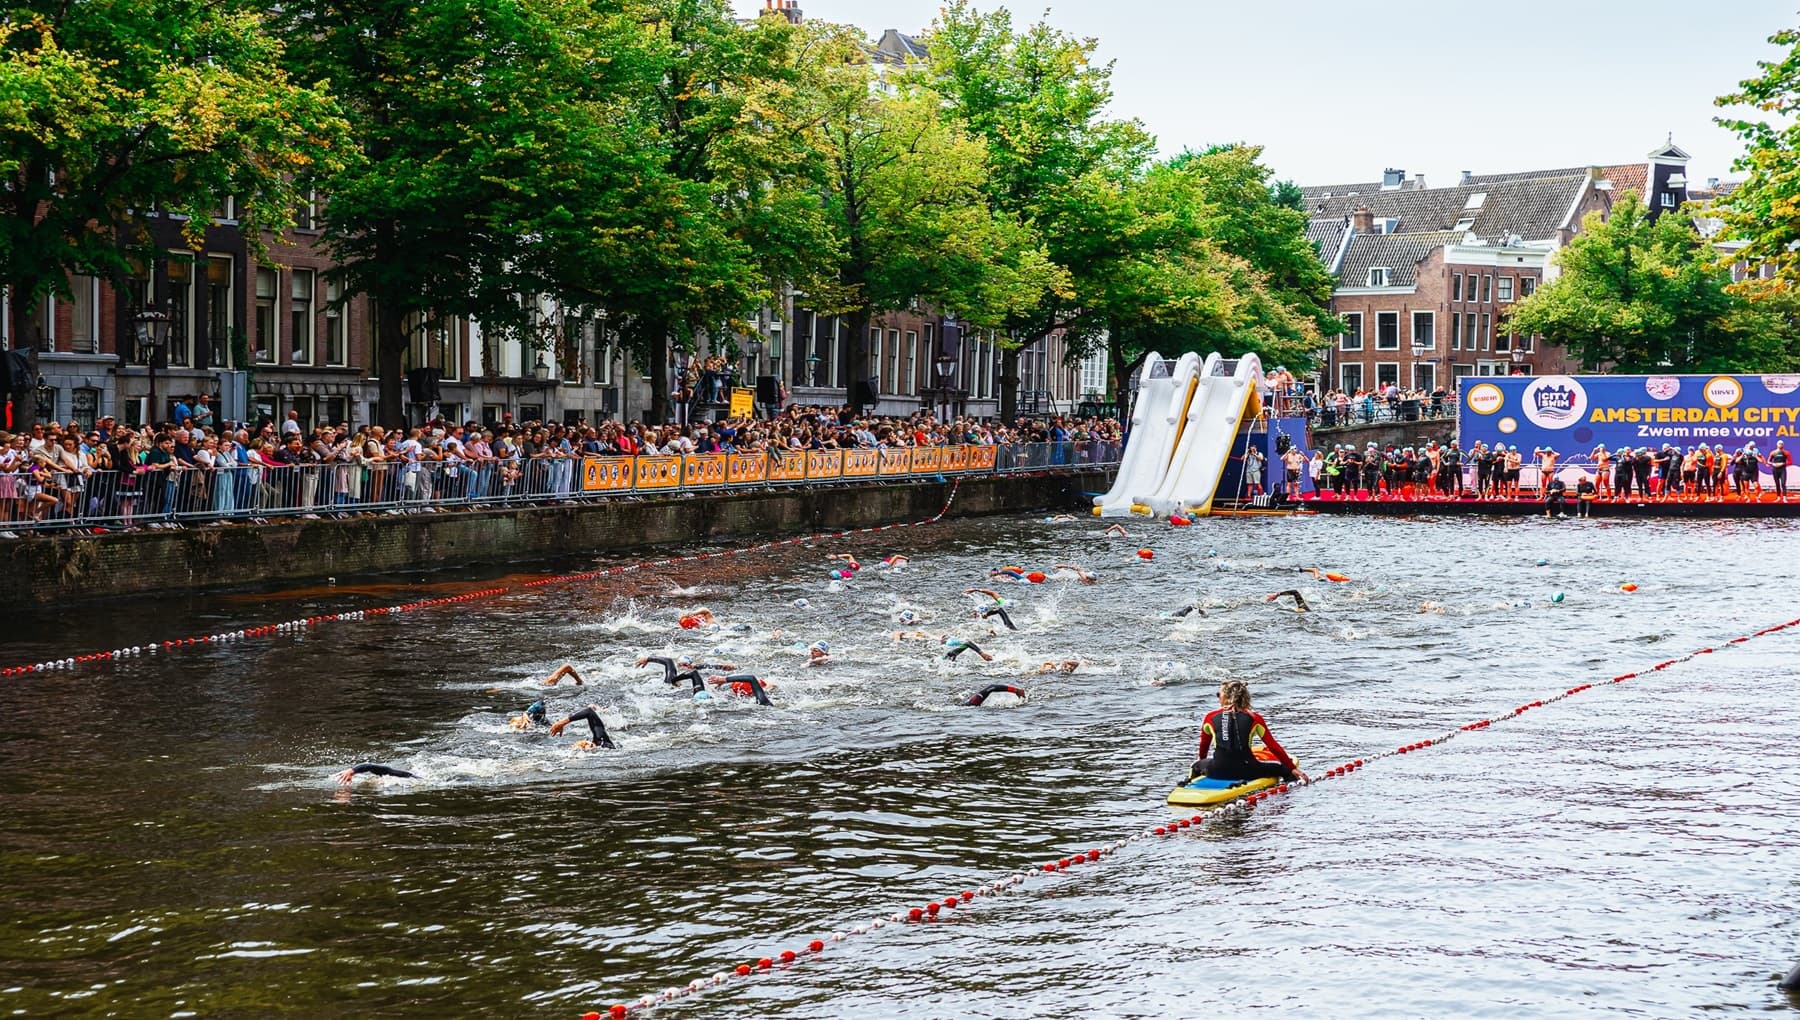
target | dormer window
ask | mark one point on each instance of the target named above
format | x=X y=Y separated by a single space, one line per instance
x=1378 y=277
x=1668 y=200
x=1387 y=225
x=1476 y=200
x=1464 y=224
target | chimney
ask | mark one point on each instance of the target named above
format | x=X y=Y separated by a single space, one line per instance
x=1392 y=178
x=1362 y=220
x=1467 y=176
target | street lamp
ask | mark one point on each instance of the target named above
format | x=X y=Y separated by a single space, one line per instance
x=755 y=348
x=152 y=335
x=813 y=361
x=946 y=366
x=46 y=400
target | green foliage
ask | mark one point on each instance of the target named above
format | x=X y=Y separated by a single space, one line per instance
x=1638 y=294
x=111 y=110
x=1764 y=211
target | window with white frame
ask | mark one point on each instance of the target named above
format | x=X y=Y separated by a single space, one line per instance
x=300 y=316
x=1487 y=288
x=337 y=335
x=1469 y=331
x=84 y=325
x=267 y=286
x=1424 y=376
x=1350 y=378
x=1487 y=328
x=1387 y=331
x=912 y=363
x=1456 y=331
x=1668 y=200
x=1424 y=329
x=43 y=317
x=875 y=356
x=306 y=211
x=1503 y=342
x=1527 y=286
x=1526 y=340
x=1351 y=339
x=896 y=383
x=1506 y=288
x=1456 y=286
x=219 y=283
x=1378 y=277
x=181 y=308
x=1387 y=373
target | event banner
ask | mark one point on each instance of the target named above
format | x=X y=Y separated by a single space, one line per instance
x=1573 y=414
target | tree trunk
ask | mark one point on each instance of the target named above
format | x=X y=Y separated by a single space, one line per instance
x=24 y=323
x=1122 y=373
x=390 y=350
x=856 y=358
x=1009 y=384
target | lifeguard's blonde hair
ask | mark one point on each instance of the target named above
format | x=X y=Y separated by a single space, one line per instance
x=1235 y=694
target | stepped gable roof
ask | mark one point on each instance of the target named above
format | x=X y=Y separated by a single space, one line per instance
x=1400 y=254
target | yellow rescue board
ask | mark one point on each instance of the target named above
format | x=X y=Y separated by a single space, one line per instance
x=1204 y=792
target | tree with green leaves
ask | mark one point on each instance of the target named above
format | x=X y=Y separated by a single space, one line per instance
x=111 y=112
x=1647 y=294
x=1764 y=211
x=904 y=190
x=1038 y=100
x=487 y=133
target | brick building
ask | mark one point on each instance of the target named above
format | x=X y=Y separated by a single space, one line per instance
x=1426 y=276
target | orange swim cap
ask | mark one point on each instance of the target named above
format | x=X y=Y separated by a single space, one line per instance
x=1035 y=577
x=1145 y=554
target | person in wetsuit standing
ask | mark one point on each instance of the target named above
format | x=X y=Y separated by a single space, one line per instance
x=1229 y=733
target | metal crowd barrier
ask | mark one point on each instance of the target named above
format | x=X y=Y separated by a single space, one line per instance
x=158 y=497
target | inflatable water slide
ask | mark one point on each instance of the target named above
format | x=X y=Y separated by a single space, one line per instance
x=1182 y=434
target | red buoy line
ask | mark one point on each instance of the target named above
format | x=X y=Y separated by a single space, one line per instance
x=309 y=622
x=1235 y=809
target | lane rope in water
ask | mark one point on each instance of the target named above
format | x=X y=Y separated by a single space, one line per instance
x=1235 y=809
x=311 y=622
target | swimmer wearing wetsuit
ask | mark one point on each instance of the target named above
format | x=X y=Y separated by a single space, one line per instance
x=372 y=769
x=1080 y=575
x=683 y=668
x=1300 y=605
x=561 y=671
x=992 y=689
x=955 y=646
x=1229 y=732
x=1010 y=573
x=534 y=715
x=993 y=611
x=596 y=729
x=1186 y=611
x=1323 y=575
x=746 y=685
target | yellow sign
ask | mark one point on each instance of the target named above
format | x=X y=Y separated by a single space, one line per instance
x=743 y=402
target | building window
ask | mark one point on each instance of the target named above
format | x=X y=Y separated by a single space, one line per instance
x=1456 y=286
x=875 y=356
x=1506 y=288
x=1351 y=339
x=306 y=212
x=1387 y=373
x=1668 y=200
x=1469 y=331
x=1487 y=289
x=1424 y=376
x=266 y=338
x=84 y=405
x=334 y=410
x=300 y=316
x=1487 y=323
x=304 y=405
x=1464 y=224
x=1456 y=331
x=1503 y=342
x=1350 y=378
x=181 y=309
x=1378 y=277
x=897 y=385
x=84 y=336
x=1526 y=342
x=1387 y=331
x=226 y=210
x=219 y=281
x=1527 y=286
x=337 y=340
x=912 y=362
x=1424 y=332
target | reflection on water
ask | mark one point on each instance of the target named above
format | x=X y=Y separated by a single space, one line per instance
x=175 y=845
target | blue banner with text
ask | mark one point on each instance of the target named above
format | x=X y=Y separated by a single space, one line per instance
x=1576 y=413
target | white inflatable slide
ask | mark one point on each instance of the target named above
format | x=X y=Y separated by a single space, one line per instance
x=1214 y=416
x=1156 y=425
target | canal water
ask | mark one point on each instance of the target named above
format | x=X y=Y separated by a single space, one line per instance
x=174 y=844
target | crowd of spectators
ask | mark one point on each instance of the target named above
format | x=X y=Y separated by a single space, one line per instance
x=150 y=476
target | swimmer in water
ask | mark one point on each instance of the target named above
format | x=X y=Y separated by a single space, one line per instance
x=1186 y=611
x=1065 y=666
x=914 y=635
x=1300 y=605
x=1432 y=607
x=1061 y=519
x=535 y=715
x=372 y=769
x=896 y=560
x=698 y=618
x=681 y=668
x=909 y=617
x=1323 y=575
x=954 y=646
x=818 y=654
x=1119 y=530
x=1010 y=573
x=982 y=695
x=745 y=685
x=993 y=611
x=992 y=595
x=561 y=671
x=849 y=561
x=1080 y=575
x=596 y=729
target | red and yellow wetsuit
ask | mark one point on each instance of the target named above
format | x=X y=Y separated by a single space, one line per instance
x=1235 y=733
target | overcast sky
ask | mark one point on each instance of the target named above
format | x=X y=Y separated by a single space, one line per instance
x=1336 y=91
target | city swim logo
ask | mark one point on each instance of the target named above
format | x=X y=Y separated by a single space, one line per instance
x=1554 y=402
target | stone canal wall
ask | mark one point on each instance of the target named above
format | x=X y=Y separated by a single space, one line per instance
x=53 y=568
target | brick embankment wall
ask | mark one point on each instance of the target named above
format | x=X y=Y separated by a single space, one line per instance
x=53 y=568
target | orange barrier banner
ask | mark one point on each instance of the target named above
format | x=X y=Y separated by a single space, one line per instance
x=926 y=459
x=896 y=460
x=658 y=472
x=956 y=458
x=746 y=467
x=981 y=458
x=788 y=466
x=824 y=464
x=699 y=469
x=861 y=463
x=606 y=474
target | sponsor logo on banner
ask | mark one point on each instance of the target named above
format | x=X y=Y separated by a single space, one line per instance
x=1485 y=398
x=1723 y=391
x=1508 y=425
x=1554 y=402
x=1781 y=383
x=1662 y=387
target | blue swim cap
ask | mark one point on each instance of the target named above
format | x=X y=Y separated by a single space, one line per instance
x=801 y=603
x=820 y=646
x=1558 y=597
x=535 y=712
x=702 y=696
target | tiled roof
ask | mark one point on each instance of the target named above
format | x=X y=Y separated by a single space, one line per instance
x=1532 y=208
x=1399 y=253
x=1326 y=235
x=896 y=47
x=1627 y=177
